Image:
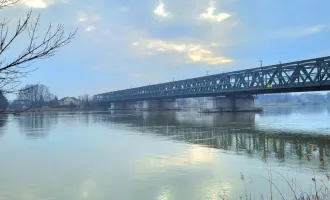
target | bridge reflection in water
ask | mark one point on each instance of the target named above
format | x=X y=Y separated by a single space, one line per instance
x=233 y=133
x=236 y=133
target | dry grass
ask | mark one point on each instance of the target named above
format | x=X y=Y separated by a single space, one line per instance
x=319 y=190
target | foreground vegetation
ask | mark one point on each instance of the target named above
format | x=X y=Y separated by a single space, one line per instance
x=319 y=189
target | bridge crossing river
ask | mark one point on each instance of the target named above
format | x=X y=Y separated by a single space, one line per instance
x=235 y=88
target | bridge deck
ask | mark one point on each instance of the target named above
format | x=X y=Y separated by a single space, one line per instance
x=305 y=75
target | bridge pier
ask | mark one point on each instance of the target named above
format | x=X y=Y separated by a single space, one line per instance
x=123 y=106
x=157 y=105
x=232 y=104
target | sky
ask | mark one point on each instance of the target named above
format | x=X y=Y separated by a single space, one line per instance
x=126 y=43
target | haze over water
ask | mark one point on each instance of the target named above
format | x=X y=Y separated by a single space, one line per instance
x=153 y=155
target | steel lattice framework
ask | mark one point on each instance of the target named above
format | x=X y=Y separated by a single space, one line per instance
x=305 y=75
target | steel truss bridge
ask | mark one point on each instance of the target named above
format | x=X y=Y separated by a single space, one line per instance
x=299 y=76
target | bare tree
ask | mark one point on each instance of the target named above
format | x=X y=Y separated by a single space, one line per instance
x=84 y=100
x=35 y=94
x=5 y=3
x=38 y=46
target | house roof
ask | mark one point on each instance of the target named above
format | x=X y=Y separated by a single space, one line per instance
x=74 y=98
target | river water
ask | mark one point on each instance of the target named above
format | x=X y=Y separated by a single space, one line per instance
x=163 y=156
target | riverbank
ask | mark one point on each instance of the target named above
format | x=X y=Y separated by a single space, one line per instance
x=38 y=110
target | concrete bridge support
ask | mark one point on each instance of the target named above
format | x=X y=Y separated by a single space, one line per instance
x=117 y=106
x=157 y=105
x=123 y=106
x=232 y=104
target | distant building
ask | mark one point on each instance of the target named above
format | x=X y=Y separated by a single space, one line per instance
x=66 y=101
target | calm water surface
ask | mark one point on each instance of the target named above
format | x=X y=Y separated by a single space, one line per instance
x=161 y=156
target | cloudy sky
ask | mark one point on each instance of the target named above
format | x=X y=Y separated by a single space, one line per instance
x=120 y=44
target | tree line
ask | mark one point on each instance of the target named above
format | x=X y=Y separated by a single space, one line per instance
x=314 y=98
x=39 y=96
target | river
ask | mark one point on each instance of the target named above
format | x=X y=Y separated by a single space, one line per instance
x=163 y=156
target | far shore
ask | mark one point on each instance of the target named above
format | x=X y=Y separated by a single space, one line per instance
x=290 y=104
x=37 y=110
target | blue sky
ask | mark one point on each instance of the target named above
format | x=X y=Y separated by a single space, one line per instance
x=127 y=43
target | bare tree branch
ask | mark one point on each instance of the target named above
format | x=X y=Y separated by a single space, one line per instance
x=39 y=46
x=6 y=3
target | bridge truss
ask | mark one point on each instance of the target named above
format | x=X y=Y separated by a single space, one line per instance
x=305 y=75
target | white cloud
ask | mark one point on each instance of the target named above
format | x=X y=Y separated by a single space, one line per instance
x=89 y=21
x=214 y=44
x=160 y=10
x=299 y=32
x=37 y=3
x=90 y=17
x=192 y=53
x=135 y=44
x=210 y=14
x=89 y=28
x=82 y=19
x=41 y=3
